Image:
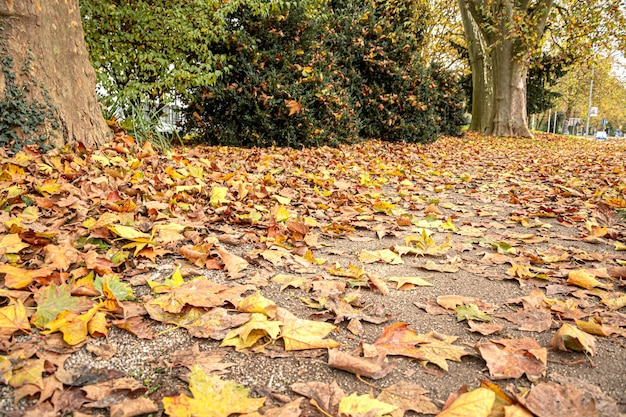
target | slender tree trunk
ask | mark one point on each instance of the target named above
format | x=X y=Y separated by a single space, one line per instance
x=51 y=33
x=480 y=64
x=509 y=117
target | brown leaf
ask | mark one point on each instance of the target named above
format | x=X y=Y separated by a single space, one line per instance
x=484 y=328
x=407 y=397
x=133 y=407
x=101 y=390
x=512 y=358
x=375 y=368
x=548 y=399
x=326 y=396
x=232 y=263
x=530 y=319
x=569 y=337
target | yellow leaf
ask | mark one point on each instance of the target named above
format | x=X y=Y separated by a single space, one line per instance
x=218 y=196
x=12 y=243
x=570 y=337
x=212 y=397
x=72 y=325
x=620 y=246
x=130 y=233
x=299 y=334
x=594 y=327
x=293 y=106
x=256 y=303
x=384 y=255
x=281 y=213
x=17 y=277
x=412 y=281
x=98 y=326
x=252 y=331
x=196 y=171
x=48 y=188
x=584 y=279
x=30 y=372
x=13 y=318
x=476 y=403
x=281 y=199
x=30 y=214
x=355 y=404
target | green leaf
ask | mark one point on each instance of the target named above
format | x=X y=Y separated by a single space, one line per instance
x=52 y=300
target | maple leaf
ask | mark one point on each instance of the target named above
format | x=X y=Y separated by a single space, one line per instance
x=52 y=300
x=256 y=328
x=111 y=287
x=17 y=278
x=199 y=292
x=218 y=196
x=73 y=326
x=300 y=334
x=384 y=255
x=233 y=263
x=475 y=403
x=511 y=358
x=13 y=318
x=29 y=371
x=470 y=312
x=12 y=243
x=358 y=405
x=407 y=283
x=397 y=339
x=407 y=396
x=293 y=106
x=585 y=279
x=256 y=303
x=569 y=337
x=212 y=397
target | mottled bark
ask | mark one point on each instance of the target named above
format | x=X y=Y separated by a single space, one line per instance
x=505 y=54
x=480 y=65
x=51 y=32
x=509 y=117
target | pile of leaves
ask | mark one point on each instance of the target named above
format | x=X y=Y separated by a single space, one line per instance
x=81 y=231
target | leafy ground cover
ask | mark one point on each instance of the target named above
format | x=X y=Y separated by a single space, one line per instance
x=469 y=277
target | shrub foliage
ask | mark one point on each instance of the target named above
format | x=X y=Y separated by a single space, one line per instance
x=326 y=73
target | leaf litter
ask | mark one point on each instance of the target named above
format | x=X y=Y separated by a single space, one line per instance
x=359 y=280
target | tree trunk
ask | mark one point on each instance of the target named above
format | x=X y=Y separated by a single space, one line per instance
x=47 y=35
x=509 y=117
x=480 y=64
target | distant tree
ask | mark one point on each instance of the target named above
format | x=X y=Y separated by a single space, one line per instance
x=47 y=86
x=503 y=36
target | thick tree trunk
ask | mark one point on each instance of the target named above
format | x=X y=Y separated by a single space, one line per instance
x=480 y=64
x=51 y=33
x=509 y=117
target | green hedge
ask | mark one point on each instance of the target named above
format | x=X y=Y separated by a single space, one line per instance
x=339 y=73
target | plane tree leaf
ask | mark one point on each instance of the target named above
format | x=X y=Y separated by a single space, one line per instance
x=475 y=403
x=512 y=358
x=211 y=397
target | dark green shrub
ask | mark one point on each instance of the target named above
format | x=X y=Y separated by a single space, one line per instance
x=346 y=71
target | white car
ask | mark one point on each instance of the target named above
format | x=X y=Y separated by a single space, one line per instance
x=601 y=135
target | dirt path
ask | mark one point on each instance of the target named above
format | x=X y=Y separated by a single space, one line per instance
x=528 y=231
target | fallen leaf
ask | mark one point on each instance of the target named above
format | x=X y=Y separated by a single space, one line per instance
x=133 y=407
x=375 y=368
x=224 y=397
x=569 y=337
x=512 y=358
x=407 y=397
x=548 y=399
x=475 y=403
